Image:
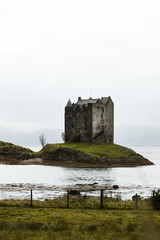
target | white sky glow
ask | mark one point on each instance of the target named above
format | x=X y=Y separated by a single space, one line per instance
x=54 y=50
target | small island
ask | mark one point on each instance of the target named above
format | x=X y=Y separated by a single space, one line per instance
x=73 y=155
x=86 y=155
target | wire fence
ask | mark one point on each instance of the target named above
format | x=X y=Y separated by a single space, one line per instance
x=79 y=199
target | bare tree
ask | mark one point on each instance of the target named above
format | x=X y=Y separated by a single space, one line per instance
x=63 y=136
x=42 y=140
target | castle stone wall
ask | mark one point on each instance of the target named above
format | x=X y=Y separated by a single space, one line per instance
x=109 y=131
x=78 y=123
x=68 y=123
x=98 y=119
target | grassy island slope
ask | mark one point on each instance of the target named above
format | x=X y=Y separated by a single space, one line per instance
x=86 y=155
x=10 y=153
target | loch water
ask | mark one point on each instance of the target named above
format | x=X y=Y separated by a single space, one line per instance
x=50 y=181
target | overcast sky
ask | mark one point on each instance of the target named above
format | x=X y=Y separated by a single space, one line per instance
x=54 y=50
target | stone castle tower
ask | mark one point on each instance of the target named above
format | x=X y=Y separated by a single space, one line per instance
x=90 y=120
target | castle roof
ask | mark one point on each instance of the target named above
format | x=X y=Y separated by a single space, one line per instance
x=104 y=100
x=86 y=101
x=69 y=104
x=90 y=100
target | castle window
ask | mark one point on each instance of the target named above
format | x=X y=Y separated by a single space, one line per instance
x=103 y=109
x=101 y=115
x=72 y=125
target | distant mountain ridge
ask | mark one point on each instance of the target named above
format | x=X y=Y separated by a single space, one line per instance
x=137 y=136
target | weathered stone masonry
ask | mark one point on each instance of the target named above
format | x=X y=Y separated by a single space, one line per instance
x=90 y=120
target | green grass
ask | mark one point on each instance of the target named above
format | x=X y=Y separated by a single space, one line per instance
x=102 y=150
x=20 y=222
x=107 y=150
x=81 y=202
x=11 y=149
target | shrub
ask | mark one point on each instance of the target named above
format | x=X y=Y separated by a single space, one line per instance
x=155 y=198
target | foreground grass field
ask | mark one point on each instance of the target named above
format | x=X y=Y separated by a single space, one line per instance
x=117 y=221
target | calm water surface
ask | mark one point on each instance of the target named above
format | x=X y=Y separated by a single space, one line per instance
x=46 y=181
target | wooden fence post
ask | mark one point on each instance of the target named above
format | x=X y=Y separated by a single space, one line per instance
x=31 y=199
x=67 y=198
x=136 y=200
x=101 y=206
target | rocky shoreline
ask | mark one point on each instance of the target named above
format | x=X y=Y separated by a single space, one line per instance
x=82 y=162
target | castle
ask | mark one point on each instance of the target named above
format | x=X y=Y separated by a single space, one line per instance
x=90 y=120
